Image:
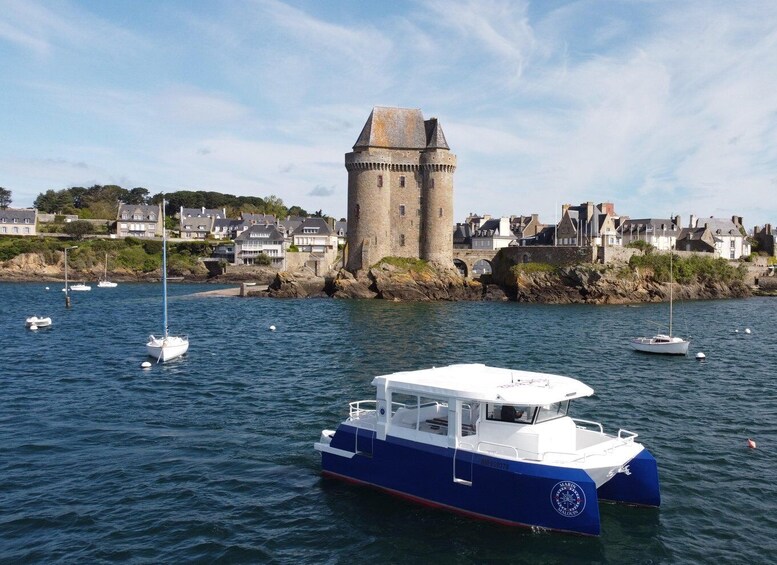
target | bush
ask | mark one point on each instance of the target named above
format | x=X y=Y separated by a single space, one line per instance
x=78 y=229
x=262 y=259
x=643 y=246
x=293 y=249
x=694 y=268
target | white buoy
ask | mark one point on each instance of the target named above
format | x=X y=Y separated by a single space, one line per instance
x=47 y=288
x=700 y=355
x=146 y=364
x=272 y=328
x=747 y=330
x=736 y=331
x=33 y=327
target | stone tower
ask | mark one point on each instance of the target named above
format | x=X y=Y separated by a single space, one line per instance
x=400 y=190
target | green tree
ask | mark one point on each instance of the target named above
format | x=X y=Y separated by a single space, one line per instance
x=5 y=198
x=53 y=201
x=78 y=229
x=137 y=195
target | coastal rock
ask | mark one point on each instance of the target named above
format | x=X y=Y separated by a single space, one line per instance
x=296 y=285
x=604 y=285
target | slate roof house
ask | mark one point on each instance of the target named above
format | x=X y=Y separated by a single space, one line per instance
x=139 y=220
x=462 y=236
x=259 y=239
x=730 y=240
x=525 y=226
x=315 y=236
x=696 y=239
x=661 y=233
x=587 y=224
x=197 y=223
x=18 y=221
x=767 y=239
x=493 y=234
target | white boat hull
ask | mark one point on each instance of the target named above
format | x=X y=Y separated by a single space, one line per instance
x=38 y=322
x=661 y=344
x=167 y=348
x=107 y=284
x=77 y=288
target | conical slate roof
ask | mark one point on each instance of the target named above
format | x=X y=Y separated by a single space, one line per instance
x=400 y=128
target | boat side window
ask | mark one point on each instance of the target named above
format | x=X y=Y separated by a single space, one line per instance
x=553 y=411
x=404 y=410
x=515 y=413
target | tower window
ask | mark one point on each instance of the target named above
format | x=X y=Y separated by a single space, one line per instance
x=357 y=211
x=402 y=239
x=431 y=183
x=401 y=209
x=402 y=182
x=441 y=212
x=380 y=181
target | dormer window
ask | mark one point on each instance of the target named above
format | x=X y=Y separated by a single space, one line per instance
x=152 y=217
x=124 y=216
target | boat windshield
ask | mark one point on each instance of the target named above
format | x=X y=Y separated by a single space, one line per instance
x=517 y=413
x=553 y=411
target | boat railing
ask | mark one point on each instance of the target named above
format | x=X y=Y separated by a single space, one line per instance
x=626 y=435
x=585 y=423
x=361 y=408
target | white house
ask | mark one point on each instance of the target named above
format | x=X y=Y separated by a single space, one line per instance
x=315 y=236
x=661 y=233
x=493 y=234
x=259 y=239
x=730 y=240
x=18 y=221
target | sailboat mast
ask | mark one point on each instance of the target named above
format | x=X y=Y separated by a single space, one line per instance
x=164 y=266
x=671 y=286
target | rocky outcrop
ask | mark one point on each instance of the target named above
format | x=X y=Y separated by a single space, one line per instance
x=385 y=282
x=601 y=285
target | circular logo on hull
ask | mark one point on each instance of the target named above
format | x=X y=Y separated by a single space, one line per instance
x=568 y=499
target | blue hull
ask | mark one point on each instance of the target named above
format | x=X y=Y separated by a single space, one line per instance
x=510 y=492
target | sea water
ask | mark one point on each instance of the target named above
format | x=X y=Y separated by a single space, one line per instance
x=210 y=458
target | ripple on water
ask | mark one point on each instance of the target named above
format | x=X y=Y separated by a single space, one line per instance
x=210 y=458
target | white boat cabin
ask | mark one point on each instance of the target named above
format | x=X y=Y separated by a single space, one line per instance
x=517 y=415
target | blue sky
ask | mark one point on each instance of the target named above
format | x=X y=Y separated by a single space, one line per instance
x=661 y=107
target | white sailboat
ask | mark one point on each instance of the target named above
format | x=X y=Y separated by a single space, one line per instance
x=104 y=282
x=166 y=347
x=662 y=343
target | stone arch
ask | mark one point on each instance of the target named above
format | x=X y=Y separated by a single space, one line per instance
x=526 y=258
x=462 y=267
x=482 y=267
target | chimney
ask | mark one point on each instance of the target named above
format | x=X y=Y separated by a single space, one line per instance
x=203 y=210
x=677 y=223
x=692 y=223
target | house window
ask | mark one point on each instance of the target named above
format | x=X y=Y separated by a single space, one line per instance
x=124 y=216
x=401 y=182
x=401 y=209
x=380 y=181
x=402 y=240
x=27 y=221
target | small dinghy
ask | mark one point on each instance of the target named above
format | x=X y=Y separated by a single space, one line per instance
x=37 y=322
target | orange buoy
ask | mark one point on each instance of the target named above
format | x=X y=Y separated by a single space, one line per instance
x=750 y=443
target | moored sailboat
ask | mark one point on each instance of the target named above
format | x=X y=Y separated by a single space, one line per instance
x=166 y=347
x=104 y=282
x=662 y=343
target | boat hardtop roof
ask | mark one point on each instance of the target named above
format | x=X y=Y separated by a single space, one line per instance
x=487 y=384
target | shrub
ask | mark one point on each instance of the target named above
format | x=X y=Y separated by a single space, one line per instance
x=643 y=246
x=262 y=259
